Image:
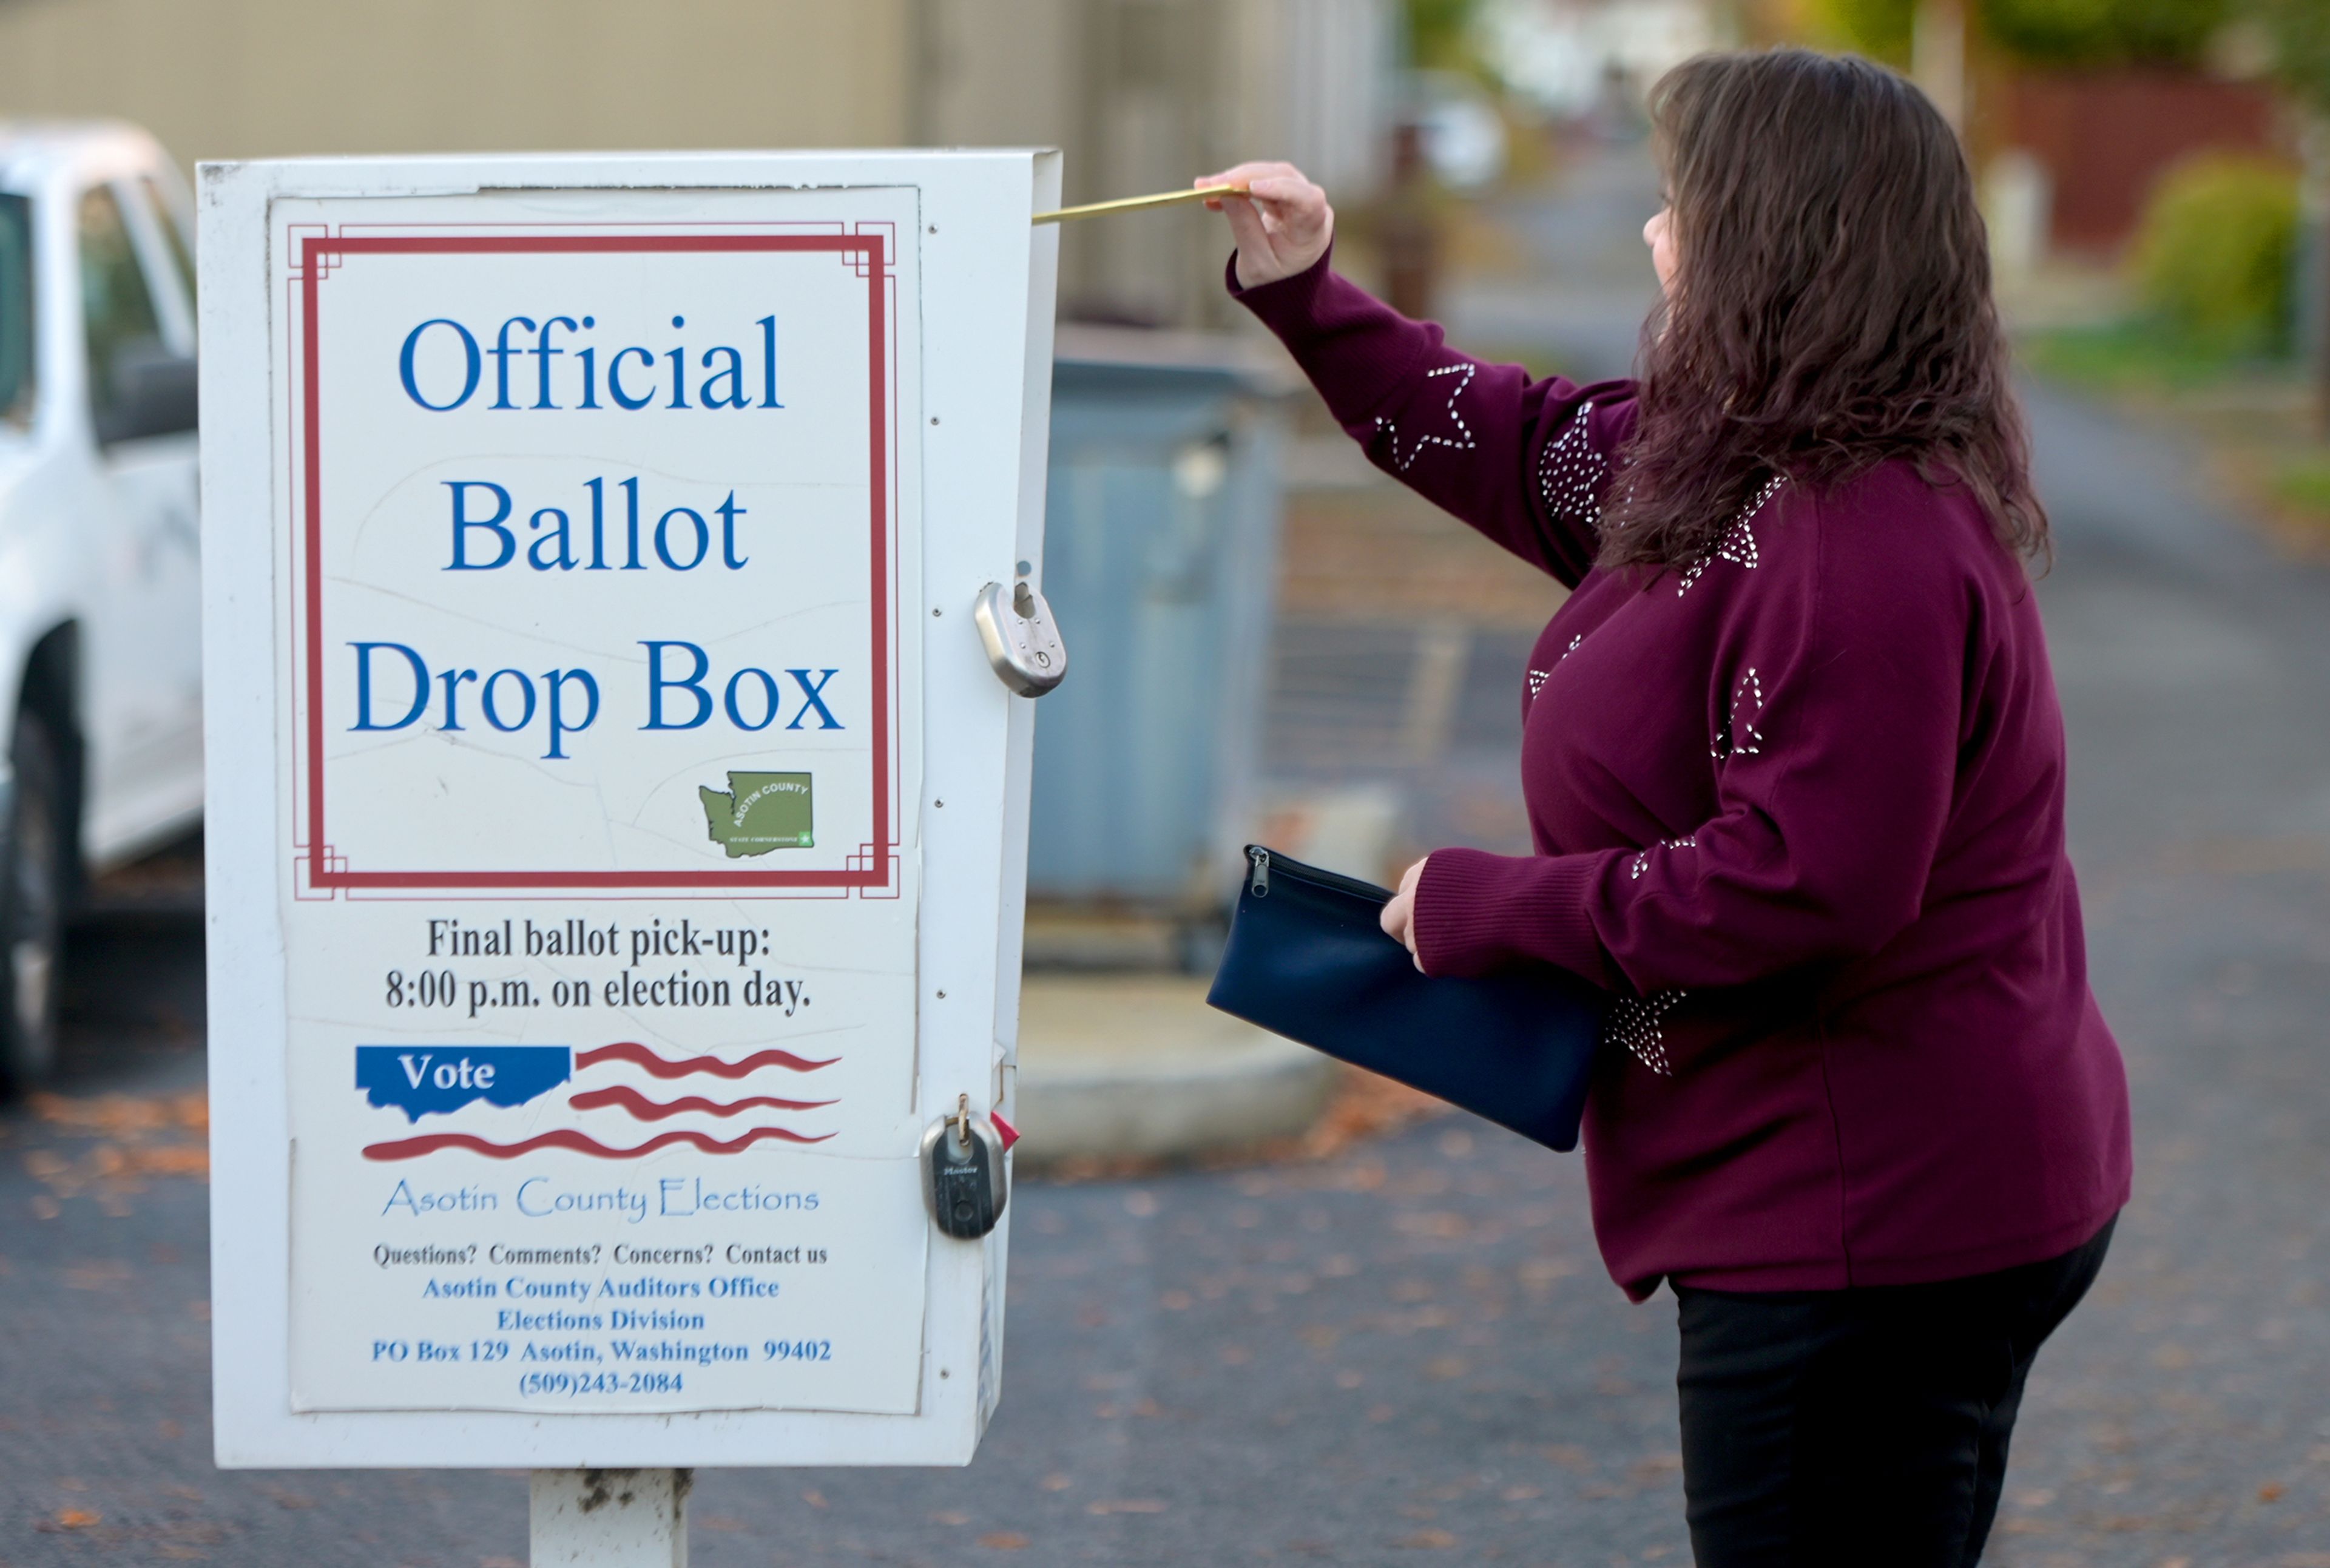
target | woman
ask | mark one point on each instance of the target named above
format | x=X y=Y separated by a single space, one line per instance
x=1794 y=766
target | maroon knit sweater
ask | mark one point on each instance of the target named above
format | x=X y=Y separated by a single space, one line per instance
x=1800 y=804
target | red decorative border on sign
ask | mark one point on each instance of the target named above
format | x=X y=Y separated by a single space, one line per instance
x=328 y=868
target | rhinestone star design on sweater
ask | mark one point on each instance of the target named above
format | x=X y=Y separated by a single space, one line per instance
x=1738 y=545
x=1633 y=1026
x=1642 y=861
x=1571 y=474
x=1740 y=737
x=1462 y=440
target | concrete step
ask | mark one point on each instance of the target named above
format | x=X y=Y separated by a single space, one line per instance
x=1138 y=1067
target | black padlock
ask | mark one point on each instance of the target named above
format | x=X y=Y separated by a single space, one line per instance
x=963 y=1179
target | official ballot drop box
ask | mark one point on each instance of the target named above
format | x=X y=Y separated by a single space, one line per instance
x=616 y=833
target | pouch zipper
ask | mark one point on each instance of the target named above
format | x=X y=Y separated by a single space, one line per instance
x=1265 y=860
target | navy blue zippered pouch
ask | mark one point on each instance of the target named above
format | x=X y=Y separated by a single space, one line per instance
x=1308 y=959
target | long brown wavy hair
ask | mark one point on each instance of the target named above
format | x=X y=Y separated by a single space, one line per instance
x=1831 y=309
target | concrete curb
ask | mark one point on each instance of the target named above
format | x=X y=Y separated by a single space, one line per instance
x=1136 y=1065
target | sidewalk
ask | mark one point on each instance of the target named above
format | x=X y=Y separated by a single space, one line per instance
x=1116 y=1068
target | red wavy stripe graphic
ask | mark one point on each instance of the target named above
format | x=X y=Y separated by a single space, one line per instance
x=646 y=1111
x=639 y=1055
x=568 y=1138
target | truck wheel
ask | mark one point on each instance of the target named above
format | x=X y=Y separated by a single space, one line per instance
x=32 y=910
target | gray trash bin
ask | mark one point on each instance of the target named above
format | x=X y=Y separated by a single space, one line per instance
x=1161 y=551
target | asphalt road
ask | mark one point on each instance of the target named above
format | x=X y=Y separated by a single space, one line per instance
x=1408 y=1352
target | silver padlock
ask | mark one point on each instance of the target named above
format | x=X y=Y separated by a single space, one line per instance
x=964 y=1183
x=1022 y=643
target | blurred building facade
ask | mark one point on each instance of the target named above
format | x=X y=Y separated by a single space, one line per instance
x=2104 y=138
x=1145 y=94
x=1142 y=94
x=1578 y=58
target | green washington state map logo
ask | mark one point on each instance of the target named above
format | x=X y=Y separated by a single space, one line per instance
x=759 y=811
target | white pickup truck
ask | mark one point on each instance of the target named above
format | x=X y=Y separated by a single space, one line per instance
x=100 y=561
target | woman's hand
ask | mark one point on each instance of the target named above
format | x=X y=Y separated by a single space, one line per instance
x=1282 y=228
x=1399 y=914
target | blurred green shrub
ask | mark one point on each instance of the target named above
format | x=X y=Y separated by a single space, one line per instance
x=2300 y=33
x=2137 y=358
x=1880 y=29
x=2216 y=250
x=2053 y=32
x=2076 y=32
x=1440 y=33
x=2305 y=484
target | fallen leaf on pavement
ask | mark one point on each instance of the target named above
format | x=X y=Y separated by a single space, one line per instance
x=123 y=1115
x=102 y=1275
x=1365 y=1106
x=172 y=1160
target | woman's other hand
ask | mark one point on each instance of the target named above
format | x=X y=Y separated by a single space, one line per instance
x=1399 y=914
x=1282 y=228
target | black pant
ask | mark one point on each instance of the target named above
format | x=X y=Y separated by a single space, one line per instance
x=1865 y=1427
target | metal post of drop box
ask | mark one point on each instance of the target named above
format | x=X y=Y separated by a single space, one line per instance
x=609 y=1518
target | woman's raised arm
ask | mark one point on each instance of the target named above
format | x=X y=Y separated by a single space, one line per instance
x=1524 y=461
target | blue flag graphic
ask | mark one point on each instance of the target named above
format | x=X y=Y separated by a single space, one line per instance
x=424 y=1079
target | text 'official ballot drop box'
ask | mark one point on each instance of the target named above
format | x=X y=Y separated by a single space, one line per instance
x=616 y=833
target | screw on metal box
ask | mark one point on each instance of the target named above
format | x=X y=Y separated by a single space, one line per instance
x=1022 y=641
x=963 y=1179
